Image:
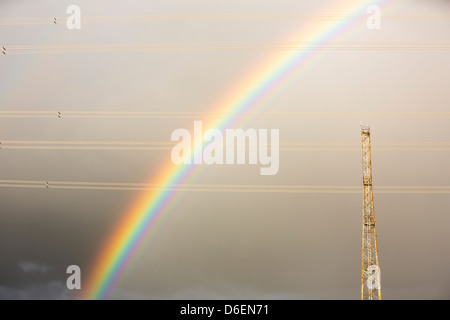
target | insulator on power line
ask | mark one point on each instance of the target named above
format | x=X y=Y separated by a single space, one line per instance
x=46 y=184
x=59 y=114
x=3 y=50
x=54 y=20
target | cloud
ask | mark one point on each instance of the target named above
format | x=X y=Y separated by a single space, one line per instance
x=201 y=293
x=53 y=290
x=32 y=267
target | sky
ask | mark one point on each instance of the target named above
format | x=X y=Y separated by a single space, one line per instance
x=230 y=245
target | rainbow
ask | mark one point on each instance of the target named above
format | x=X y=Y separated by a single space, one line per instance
x=145 y=213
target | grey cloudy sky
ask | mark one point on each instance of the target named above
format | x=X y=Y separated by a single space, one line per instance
x=225 y=245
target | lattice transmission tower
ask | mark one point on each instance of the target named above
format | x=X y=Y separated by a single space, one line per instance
x=370 y=269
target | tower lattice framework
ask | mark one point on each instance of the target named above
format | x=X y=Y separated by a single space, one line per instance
x=370 y=269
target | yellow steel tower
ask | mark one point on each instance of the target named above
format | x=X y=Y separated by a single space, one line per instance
x=370 y=269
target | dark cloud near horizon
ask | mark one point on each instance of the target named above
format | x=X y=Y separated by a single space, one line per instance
x=53 y=290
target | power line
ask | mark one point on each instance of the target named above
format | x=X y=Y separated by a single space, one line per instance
x=167 y=146
x=218 y=115
x=226 y=46
x=219 y=18
x=339 y=189
x=291 y=143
